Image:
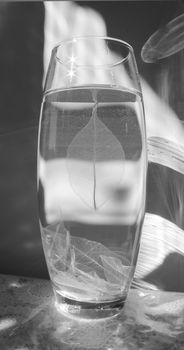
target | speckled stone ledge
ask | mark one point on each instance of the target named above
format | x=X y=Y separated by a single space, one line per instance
x=30 y=320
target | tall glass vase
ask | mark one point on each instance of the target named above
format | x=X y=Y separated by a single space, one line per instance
x=92 y=166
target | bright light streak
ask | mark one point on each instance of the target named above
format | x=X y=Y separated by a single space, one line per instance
x=71 y=73
x=71 y=62
x=7 y=323
x=15 y=284
x=72 y=59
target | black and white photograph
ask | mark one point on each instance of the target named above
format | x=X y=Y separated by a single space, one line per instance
x=92 y=175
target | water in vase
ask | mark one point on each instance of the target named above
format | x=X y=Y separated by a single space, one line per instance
x=91 y=190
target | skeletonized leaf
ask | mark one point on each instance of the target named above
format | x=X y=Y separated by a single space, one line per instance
x=115 y=271
x=165 y=42
x=87 y=268
x=87 y=255
x=92 y=145
x=165 y=152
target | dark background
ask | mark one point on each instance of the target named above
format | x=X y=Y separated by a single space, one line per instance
x=21 y=71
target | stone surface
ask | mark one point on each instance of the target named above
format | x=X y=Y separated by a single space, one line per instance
x=30 y=320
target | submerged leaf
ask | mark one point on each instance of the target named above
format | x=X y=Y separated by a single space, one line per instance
x=86 y=286
x=59 y=250
x=115 y=271
x=165 y=42
x=88 y=253
x=92 y=146
x=90 y=268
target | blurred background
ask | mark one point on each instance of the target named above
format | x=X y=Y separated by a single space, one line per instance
x=28 y=31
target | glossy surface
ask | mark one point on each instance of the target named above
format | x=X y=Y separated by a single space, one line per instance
x=29 y=320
